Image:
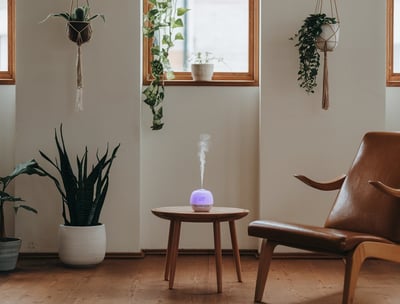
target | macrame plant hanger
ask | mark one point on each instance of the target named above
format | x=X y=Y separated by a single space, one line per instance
x=327 y=42
x=79 y=32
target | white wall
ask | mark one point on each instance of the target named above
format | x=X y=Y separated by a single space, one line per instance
x=7 y=140
x=45 y=96
x=392 y=108
x=296 y=135
x=7 y=127
x=170 y=165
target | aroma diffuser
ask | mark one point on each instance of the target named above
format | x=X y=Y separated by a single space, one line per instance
x=201 y=200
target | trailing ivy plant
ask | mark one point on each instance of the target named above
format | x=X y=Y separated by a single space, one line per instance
x=308 y=53
x=160 y=22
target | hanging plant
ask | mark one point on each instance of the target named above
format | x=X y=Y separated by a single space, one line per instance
x=309 y=57
x=318 y=32
x=160 y=24
x=79 y=31
x=78 y=21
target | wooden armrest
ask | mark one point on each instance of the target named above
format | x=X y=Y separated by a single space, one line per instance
x=385 y=188
x=324 y=186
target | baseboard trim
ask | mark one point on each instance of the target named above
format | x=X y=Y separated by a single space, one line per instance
x=243 y=252
x=109 y=255
x=304 y=256
x=145 y=252
x=38 y=255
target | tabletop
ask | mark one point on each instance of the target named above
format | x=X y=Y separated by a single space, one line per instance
x=187 y=214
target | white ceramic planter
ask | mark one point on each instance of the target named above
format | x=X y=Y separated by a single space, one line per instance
x=202 y=71
x=330 y=36
x=9 y=250
x=82 y=246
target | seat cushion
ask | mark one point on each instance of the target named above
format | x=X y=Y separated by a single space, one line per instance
x=310 y=237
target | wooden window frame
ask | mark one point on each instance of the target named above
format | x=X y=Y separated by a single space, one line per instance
x=250 y=78
x=8 y=77
x=392 y=79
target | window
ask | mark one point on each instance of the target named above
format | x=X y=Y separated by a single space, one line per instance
x=7 y=41
x=228 y=29
x=393 y=43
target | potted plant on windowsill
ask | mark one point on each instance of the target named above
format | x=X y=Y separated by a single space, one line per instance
x=82 y=238
x=317 y=32
x=9 y=246
x=202 y=66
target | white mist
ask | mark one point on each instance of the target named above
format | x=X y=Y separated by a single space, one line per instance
x=202 y=199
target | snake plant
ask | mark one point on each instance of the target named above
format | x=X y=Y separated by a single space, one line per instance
x=83 y=193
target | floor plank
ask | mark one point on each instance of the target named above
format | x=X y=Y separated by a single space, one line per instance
x=123 y=281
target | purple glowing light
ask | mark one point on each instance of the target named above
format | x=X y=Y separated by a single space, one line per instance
x=201 y=200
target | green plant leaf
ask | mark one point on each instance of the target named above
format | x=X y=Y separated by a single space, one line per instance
x=97 y=15
x=26 y=207
x=179 y=36
x=167 y=40
x=182 y=10
x=177 y=23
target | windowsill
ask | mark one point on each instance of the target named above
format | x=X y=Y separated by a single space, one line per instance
x=215 y=83
x=7 y=81
x=393 y=84
x=229 y=83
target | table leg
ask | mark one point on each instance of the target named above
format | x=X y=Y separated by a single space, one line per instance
x=174 y=251
x=169 y=250
x=218 y=254
x=235 y=247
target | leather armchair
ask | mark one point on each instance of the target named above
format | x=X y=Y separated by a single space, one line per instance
x=364 y=221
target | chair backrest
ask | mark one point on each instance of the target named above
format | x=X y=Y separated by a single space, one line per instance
x=361 y=207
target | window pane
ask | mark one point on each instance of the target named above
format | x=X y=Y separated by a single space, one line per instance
x=226 y=29
x=217 y=26
x=3 y=36
x=396 y=36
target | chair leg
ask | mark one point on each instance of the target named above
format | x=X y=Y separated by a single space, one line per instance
x=354 y=261
x=267 y=248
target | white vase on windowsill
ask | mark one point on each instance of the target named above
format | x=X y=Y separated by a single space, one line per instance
x=202 y=71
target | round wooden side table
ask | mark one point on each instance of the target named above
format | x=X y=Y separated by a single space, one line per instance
x=177 y=215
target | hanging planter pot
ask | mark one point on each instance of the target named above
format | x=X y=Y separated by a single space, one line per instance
x=327 y=41
x=329 y=38
x=79 y=31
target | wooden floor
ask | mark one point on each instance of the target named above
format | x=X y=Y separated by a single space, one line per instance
x=141 y=281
